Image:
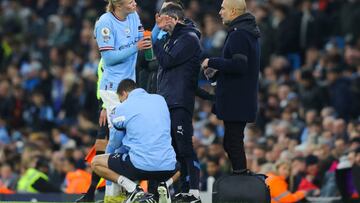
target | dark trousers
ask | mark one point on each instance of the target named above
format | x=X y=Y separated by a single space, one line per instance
x=234 y=144
x=181 y=134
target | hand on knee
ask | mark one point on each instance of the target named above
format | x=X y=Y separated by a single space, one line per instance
x=110 y=148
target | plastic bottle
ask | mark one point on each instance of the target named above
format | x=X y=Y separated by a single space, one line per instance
x=149 y=53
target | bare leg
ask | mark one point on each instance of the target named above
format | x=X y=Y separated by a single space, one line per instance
x=100 y=144
x=100 y=166
x=173 y=179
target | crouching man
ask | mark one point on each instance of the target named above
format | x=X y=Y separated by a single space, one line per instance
x=147 y=153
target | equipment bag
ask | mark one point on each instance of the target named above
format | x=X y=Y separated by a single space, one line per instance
x=244 y=187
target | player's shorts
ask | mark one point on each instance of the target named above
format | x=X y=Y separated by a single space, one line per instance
x=121 y=164
x=111 y=100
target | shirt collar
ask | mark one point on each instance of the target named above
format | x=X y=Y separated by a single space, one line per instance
x=137 y=91
x=117 y=18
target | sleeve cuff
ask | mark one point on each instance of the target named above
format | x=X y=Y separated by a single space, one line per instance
x=106 y=48
x=215 y=63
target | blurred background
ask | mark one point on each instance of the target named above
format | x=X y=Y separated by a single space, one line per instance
x=309 y=89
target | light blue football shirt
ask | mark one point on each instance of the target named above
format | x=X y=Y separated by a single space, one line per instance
x=119 y=37
x=146 y=119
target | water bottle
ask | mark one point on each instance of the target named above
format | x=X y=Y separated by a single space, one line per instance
x=149 y=53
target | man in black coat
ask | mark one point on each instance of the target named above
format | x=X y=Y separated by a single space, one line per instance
x=236 y=75
x=178 y=54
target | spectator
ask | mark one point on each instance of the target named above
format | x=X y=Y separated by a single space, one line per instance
x=212 y=170
x=344 y=177
x=38 y=115
x=5 y=100
x=312 y=95
x=286 y=30
x=298 y=172
x=35 y=178
x=311 y=179
x=339 y=91
x=356 y=170
x=208 y=135
x=278 y=185
x=8 y=178
x=4 y=134
x=214 y=35
x=77 y=180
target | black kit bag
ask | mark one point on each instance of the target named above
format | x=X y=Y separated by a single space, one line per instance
x=244 y=187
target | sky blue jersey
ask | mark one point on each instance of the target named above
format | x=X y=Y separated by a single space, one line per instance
x=117 y=40
x=146 y=120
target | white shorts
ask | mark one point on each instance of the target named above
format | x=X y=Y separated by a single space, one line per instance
x=110 y=100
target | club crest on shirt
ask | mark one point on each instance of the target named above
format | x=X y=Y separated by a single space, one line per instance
x=127 y=32
x=105 y=33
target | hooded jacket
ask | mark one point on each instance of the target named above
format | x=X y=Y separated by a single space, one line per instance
x=179 y=65
x=238 y=71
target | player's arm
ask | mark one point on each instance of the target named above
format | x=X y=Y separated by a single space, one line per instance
x=239 y=49
x=119 y=117
x=113 y=57
x=184 y=49
x=105 y=38
x=157 y=33
x=115 y=140
x=203 y=94
x=154 y=33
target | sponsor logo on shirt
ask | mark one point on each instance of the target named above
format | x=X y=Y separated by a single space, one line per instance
x=130 y=44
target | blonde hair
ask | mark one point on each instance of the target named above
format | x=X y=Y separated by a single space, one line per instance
x=280 y=163
x=267 y=168
x=111 y=5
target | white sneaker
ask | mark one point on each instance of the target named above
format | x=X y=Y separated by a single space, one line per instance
x=164 y=195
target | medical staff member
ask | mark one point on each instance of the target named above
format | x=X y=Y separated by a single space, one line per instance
x=149 y=154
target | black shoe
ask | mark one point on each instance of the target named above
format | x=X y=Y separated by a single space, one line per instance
x=186 y=197
x=138 y=193
x=146 y=198
x=86 y=198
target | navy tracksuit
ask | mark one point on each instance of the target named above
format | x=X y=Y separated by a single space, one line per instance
x=179 y=66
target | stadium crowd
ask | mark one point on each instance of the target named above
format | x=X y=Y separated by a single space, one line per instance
x=309 y=95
